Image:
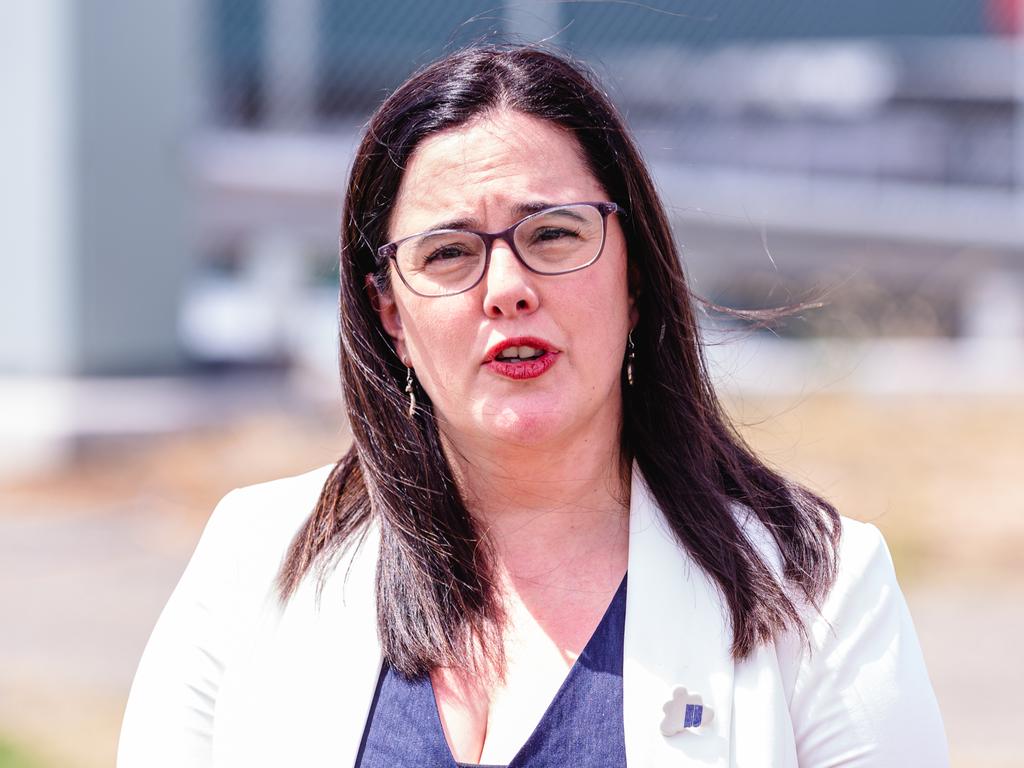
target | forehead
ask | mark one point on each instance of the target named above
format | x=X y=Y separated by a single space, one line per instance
x=483 y=171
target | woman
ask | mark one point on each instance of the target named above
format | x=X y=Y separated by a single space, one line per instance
x=532 y=420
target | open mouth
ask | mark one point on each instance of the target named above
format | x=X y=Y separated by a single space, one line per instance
x=525 y=357
x=519 y=354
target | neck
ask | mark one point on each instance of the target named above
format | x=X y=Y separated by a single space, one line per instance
x=541 y=507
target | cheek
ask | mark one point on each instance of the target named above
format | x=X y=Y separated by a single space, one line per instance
x=602 y=304
x=597 y=320
x=437 y=338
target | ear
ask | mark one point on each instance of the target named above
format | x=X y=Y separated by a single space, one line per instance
x=635 y=282
x=386 y=307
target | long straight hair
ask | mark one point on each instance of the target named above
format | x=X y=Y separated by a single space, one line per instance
x=435 y=595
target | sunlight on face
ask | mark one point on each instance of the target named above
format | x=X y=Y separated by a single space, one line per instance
x=483 y=176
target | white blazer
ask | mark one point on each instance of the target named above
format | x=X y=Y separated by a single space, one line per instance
x=234 y=680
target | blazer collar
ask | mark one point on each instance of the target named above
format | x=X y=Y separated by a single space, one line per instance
x=677 y=634
x=322 y=657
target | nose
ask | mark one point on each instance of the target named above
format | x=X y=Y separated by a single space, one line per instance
x=509 y=286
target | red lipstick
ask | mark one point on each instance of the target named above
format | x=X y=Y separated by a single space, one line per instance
x=524 y=368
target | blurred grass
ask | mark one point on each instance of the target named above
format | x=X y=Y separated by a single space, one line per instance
x=939 y=475
x=17 y=756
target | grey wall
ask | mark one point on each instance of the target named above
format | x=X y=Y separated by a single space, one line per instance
x=100 y=96
x=36 y=217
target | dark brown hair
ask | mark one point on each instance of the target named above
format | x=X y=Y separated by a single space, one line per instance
x=434 y=594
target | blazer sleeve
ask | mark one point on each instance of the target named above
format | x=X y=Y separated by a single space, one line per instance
x=169 y=717
x=862 y=697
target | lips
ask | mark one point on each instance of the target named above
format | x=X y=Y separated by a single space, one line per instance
x=522 y=357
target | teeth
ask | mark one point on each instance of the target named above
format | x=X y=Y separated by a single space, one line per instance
x=521 y=353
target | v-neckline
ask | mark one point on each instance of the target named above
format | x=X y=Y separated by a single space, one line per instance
x=573 y=671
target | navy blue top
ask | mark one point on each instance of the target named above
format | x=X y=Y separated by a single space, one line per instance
x=581 y=727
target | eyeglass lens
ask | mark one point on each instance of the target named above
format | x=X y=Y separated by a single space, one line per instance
x=552 y=241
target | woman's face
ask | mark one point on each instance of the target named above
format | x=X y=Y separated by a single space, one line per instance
x=486 y=174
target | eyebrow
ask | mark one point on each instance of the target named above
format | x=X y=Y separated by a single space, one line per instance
x=519 y=210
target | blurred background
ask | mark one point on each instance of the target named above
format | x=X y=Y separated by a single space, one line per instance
x=171 y=182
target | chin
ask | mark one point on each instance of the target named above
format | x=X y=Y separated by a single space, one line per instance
x=524 y=423
x=524 y=428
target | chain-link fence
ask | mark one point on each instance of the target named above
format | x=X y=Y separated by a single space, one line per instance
x=919 y=90
x=347 y=54
x=920 y=94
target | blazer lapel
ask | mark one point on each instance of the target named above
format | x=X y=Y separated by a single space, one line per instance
x=676 y=635
x=312 y=674
x=304 y=693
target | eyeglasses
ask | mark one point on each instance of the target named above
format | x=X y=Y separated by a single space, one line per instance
x=552 y=241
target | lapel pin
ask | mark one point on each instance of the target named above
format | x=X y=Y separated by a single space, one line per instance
x=685 y=711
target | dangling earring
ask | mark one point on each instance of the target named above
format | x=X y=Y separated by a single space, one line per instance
x=630 y=358
x=411 y=392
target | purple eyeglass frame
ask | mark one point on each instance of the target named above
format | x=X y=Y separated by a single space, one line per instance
x=606 y=209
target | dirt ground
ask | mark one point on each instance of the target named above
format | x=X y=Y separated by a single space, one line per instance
x=90 y=552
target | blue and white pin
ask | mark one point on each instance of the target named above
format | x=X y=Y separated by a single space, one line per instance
x=685 y=711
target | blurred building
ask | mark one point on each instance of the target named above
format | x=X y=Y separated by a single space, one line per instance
x=97 y=116
x=798 y=144
x=173 y=171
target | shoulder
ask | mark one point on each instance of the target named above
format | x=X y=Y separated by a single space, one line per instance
x=865 y=583
x=865 y=607
x=232 y=574
x=864 y=568
x=170 y=719
x=862 y=551
x=266 y=511
x=859 y=682
x=284 y=499
x=864 y=592
x=856 y=683
x=251 y=528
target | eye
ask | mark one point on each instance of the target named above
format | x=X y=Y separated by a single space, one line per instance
x=546 y=234
x=445 y=253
